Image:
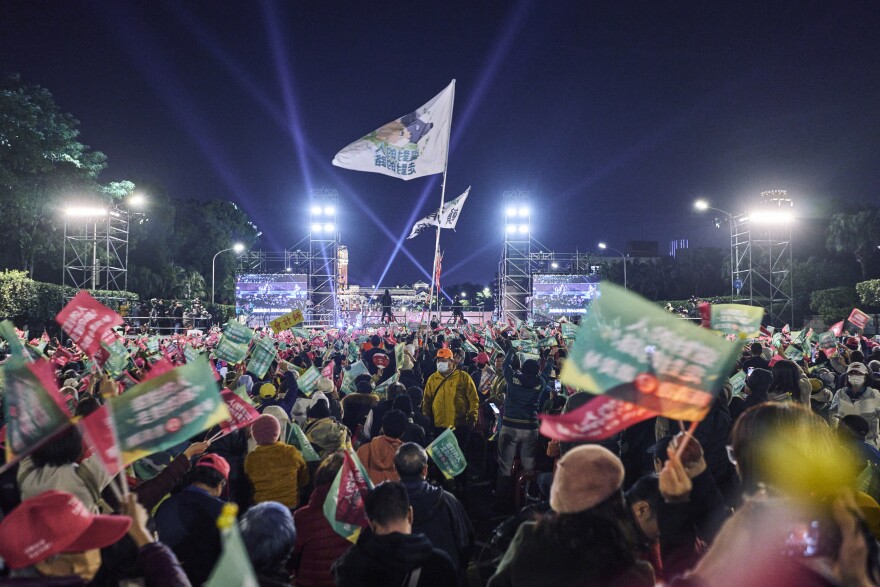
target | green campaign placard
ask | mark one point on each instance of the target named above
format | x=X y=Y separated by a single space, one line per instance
x=236 y=332
x=632 y=350
x=741 y=320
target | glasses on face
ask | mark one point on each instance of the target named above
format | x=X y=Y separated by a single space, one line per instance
x=730 y=456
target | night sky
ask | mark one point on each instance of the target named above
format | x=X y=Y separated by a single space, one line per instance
x=614 y=116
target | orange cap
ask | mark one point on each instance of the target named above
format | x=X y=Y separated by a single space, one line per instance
x=444 y=354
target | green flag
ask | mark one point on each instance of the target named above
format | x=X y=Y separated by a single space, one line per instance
x=236 y=332
x=793 y=353
x=739 y=319
x=33 y=407
x=153 y=344
x=446 y=454
x=296 y=437
x=190 y=353
x=634 y=351
x=118 y=359
x=738 y=381
x=233 y=568
x=308 y=380
x=382 y=389
x=168 y=409
x=230 y=351
x=398 y=354
x=349 y=375
x=467 y=347
x=262 y=356
x=344 y=506
x=7 y=331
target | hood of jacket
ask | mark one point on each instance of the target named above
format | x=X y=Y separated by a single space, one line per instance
x=381 y=454
x=425 y=499
x=396 y=552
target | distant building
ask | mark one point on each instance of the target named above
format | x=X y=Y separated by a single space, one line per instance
x=677 y=245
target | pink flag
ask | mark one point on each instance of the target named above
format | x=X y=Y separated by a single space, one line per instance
x=598 y=419
x=327 y=371
x=88 y=322
x=859 y=318
x=100 y=434
x=837 y=329
x=163 y=365
x=240 y=412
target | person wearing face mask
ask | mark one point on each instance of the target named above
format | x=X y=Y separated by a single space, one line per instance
x=859 y=397
x=451 y=399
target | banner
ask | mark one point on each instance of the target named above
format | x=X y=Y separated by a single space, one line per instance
x=166 y=410
x=737 y=383
x=287 y=321
x=241 y=412
x=344 y=505
x=632 y=350
x=99 y=433
x=598 y=419
x=739 y=319
x=446 y=454
x=88 y=322
x=296 y=437
x=235 y=331
x=308 y=380
x=858 y=318
x=33 y=407
x=229 y=351
x=448 y=218
x=382 y=389
x=262 y=356
x=349 y=375
x=412 y=146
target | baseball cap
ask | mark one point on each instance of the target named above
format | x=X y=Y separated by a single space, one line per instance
x=857 y=368
x=216 y=462
x=52 y=523
x=444 y=353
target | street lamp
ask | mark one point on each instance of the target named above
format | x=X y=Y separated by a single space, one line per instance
x=238 y=248
x=702 y=206
x=603 y=246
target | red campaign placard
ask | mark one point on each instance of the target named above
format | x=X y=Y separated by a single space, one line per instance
x=350 y=499
x=598 y=419
x=163 y=365
x=100 y=435
x=837 y=328
x=241 y=414
x=87 y=321
x=859 y=318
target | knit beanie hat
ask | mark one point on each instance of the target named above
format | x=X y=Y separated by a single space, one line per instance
x=324 y=385
x=585 y=477
x=265 y=430
x=760 y=381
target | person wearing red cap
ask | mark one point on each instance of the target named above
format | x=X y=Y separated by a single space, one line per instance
x=53 y=539
x=187 y=521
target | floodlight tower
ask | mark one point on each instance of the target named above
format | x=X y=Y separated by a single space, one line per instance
x=323 y=255
x=515 y=275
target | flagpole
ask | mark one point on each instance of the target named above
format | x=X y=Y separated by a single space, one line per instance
x=442 y=198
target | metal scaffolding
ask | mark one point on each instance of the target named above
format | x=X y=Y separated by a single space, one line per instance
x=515 y=267
x=95 y=253
x=762 y=253
x=323 y=255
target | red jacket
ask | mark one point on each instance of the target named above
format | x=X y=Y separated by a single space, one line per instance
x=317 y=545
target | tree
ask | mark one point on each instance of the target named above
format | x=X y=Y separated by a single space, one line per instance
x=834 y=304
x=41 y=160
x=857 y=234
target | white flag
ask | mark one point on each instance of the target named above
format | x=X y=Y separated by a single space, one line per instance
x=448 y=219
x=412 y=146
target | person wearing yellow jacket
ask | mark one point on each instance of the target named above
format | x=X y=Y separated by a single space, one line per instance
x=451 y=399
x=276 y=470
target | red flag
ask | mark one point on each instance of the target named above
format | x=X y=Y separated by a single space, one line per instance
x=100 y=435
x=353 y=488
x=163 y=365
x=598 y=419
x=88 y=322
x=837 y=329
x=705 y=310
x=328 y=370
x=241 y=413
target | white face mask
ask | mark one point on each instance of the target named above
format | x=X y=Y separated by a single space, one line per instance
x=443 y=367
x=856 y=380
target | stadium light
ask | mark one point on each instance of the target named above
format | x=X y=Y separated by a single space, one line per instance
x=329 y=228
x=137 y=200
x=511 y=228
x=701 y=205
x=316 y=227
x=464 y=294
x=511 y=211
x=604 y=246
x=238 y=247
x=523 y=212
x=554 y=265
x=523 y=228
x=316 y=210
x=85 y=211
x=770 y=217
x=329 y=211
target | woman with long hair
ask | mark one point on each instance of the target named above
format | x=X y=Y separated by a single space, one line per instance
x=789 y=383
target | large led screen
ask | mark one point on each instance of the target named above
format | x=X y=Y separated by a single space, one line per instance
x=270 y=294
x=562 y=295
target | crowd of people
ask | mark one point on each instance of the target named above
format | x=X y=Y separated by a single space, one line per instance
x=778 y=485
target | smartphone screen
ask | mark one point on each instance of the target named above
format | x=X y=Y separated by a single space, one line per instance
x=494 y=408
x=558 y=385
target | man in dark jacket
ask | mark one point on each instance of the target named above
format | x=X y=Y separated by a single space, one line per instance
x=388 y=553
x=436 y=513
x=187 y=521
x=386 y=302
